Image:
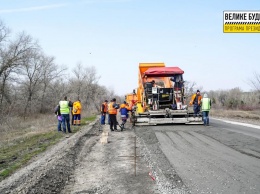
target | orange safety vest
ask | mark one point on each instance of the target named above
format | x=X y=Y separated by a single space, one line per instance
x=125 y=106
x=193 y=98
x=129 y=108
x=105 y=107
x=111 y=109
x=76 y=108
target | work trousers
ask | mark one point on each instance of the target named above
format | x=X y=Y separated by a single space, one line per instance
x=206 y=117
x=113 y=121
x=108 y=119
x=59 y=125
x=103 y=119
x=66 y=122
x=196 y=109
x=124 y=119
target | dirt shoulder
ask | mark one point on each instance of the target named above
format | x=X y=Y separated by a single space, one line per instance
x=110 y=168
x=81 y=164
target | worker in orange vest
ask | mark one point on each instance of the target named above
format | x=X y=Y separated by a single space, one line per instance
x=195 y=101
x=76 y=110
x=112 y=111
x=103 y=110
x=124 y=108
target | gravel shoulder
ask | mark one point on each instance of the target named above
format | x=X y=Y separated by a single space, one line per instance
x=110 y=168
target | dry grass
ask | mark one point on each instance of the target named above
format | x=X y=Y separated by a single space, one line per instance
x=20 y=140
x=252 y=117
x=17 y=129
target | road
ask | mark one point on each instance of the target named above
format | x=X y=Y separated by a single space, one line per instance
x=220 y=158
x=246 y=129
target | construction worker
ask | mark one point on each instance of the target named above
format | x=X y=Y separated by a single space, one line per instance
x=178 y=82
x=76 y=110
x=112 y=111
x=108 y=117
x=205 y=107
x=71 y=112
x=65 y=113
x=57 y=113
x=103 y=109
x=195 y=101
x=155 y=85
x=124 y=108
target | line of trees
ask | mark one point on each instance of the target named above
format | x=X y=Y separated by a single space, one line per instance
x=32 y=83
x=234 y=98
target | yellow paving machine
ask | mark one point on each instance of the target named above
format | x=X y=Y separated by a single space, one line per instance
x=160 y=97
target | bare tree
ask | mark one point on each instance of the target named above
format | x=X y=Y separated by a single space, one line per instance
x=56 y=90
x=100 y=93
x=79 y=80
x=234 y=97
x=11 y=60
x=16 y=52
x=50 y=71
x=255 y=81
x=33 y=76
x=4 y=79
x=84 y=83
x=4 y=32
x=189 y=89
x=31 y=82
x=91 y=88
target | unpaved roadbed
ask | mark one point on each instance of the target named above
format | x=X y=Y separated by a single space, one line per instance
x=110 y=168
x=81 y=164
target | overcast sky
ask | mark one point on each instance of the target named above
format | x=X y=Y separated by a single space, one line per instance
x=116 y=35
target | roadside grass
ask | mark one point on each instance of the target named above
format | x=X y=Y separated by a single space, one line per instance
x=19 y=145
x=89 y=119
x=20 y=152
x=240 y=115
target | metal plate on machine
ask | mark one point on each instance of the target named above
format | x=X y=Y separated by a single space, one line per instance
x=154 y=90
x=152 y=121
x=155 y=121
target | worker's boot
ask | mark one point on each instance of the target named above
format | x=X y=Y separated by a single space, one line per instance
x=121 y=127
